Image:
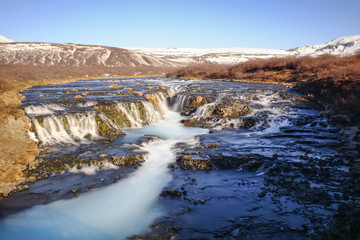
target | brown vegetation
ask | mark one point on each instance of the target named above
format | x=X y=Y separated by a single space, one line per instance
x=333 y=80
x=22 y=73
x=17 y=151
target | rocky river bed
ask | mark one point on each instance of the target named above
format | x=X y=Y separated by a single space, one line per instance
x=241 y=161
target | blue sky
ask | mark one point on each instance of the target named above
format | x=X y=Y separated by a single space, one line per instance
x=278 y=24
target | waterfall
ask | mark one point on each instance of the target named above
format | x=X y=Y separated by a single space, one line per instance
x=54 y=129
x=43 y=109
x=181 y=102
x=74 y=128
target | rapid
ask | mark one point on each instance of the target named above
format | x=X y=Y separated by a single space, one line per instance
x=176 y=158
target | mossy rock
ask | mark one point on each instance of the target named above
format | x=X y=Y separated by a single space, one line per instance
x=104 y=128
x=127 y=160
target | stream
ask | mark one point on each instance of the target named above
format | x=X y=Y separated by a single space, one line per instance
x=176 y=159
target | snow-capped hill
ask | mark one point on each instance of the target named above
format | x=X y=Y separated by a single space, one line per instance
x=211 y=55
x=69 y=54
x=342 y=46
x=4 y=39
x=48 y=54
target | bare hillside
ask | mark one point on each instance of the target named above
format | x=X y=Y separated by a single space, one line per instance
x=51 y=54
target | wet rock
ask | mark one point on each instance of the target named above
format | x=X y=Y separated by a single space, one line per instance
x=152 y=98
x=253 y=165
x=288 y=180
x=114 y=86
x=22 y=188
x=135 y=237
x=127 y=160
x=262 y=194
x=212 y=145
x=172 y=193
x=180 y=145
x=174 y=229
x=188 y=122
x=231 y=108
x=346 y=223
x=354 y=169
x=229 y=162
x=194 y=103
x=194 y=164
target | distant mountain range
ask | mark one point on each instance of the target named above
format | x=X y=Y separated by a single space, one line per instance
x=341 y=46
x=49 y=54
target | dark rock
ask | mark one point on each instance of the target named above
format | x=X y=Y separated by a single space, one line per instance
x=192 y=164
x=174 y=229
x=172 y=193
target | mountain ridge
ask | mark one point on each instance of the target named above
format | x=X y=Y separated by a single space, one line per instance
x=70 y=54
x=342 y=46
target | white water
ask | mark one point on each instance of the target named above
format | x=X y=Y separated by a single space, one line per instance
x=43 y=109
x=114 y=212
x=54 y=131
x=181 y=102
x=72 y=128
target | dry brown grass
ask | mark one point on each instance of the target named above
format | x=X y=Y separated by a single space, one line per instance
x=22 y=73
x=272 y=69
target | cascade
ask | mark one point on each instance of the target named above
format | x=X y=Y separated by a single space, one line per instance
x=181 y=101
x=110 y=188
x=50 y=126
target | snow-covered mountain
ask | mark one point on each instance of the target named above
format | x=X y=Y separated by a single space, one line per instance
x=89 y=55
x=343 y=46
x=4 y=39
x=211 y=55
x=48 y=54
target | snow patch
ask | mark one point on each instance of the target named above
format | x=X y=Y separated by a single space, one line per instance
x=343 y=46
x=4 y=39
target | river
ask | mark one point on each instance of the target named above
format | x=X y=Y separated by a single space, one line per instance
x=175 y=158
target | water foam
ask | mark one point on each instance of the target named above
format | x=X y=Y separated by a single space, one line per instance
x=70 y=128
x=43 y=109
x=80 y=127
x=114 y=212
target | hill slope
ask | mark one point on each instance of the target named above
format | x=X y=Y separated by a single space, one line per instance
x=211 y=55
x=343 y=46
x=4 y=39
x=50 y=54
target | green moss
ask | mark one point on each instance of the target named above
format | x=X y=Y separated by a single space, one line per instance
x=65 y=122
x=104 y=128
x=40 y=120
x=140 y=106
